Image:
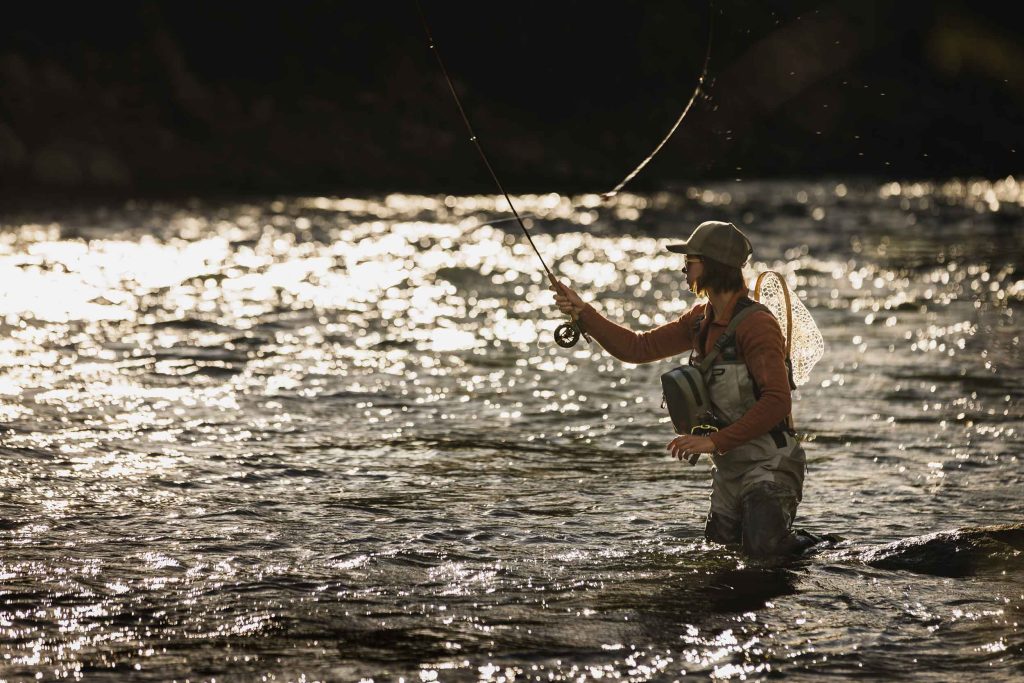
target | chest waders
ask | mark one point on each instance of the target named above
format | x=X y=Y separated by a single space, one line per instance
x=761 y=479
x=733 y=392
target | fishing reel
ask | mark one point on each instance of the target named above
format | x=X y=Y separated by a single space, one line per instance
x=568 y=334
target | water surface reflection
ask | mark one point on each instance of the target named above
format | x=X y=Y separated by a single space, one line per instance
x=332 y=437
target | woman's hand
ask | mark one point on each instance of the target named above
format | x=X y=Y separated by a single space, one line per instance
x=568 y=301
x=686 y=445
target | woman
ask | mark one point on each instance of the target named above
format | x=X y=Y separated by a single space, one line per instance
x=758 y=473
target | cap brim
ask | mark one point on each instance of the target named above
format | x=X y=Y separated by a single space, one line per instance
x=681 y=248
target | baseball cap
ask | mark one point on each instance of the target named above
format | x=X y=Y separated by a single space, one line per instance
x=723 y=242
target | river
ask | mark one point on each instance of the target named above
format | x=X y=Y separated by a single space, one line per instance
x=330 y=438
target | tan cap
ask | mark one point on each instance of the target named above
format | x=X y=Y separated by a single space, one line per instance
x=723 y=242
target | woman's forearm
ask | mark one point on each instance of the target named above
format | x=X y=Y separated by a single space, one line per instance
x=637 y=347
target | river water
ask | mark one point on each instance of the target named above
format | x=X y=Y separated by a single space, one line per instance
x=324 y=438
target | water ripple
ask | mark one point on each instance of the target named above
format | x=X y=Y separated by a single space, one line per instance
x=331 y=437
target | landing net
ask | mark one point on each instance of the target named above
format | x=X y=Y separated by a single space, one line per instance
x=804 y=343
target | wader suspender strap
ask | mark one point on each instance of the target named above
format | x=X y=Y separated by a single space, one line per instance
x=727 y=336
x=725 y=340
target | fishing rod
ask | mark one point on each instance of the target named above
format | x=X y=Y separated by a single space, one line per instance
x=567 y=334
x=686 y=110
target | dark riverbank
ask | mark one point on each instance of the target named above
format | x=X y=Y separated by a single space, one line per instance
x=158 y=98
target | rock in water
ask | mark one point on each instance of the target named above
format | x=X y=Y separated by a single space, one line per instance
x=960 y=552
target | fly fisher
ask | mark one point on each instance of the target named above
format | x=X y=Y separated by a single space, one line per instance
x=758 y=462
x=741 y=351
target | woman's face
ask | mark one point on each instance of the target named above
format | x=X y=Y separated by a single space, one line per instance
x=693 y=269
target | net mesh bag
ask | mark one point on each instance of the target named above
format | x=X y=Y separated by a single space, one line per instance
x=804 y=343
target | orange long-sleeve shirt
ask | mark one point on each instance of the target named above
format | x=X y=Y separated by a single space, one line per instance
x=759 y=344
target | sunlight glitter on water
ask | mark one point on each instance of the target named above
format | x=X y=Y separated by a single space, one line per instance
x=433 y=281
x=255 y=424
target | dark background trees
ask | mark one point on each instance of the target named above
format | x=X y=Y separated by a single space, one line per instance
x=231 y=97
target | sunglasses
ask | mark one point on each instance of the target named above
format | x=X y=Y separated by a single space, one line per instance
x=691 y=262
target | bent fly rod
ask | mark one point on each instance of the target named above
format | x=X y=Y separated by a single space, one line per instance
x=567 y=334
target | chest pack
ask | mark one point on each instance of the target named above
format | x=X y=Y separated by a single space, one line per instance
x=685 y=388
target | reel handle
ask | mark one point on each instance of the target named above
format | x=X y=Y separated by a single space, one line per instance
x=567 y=335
